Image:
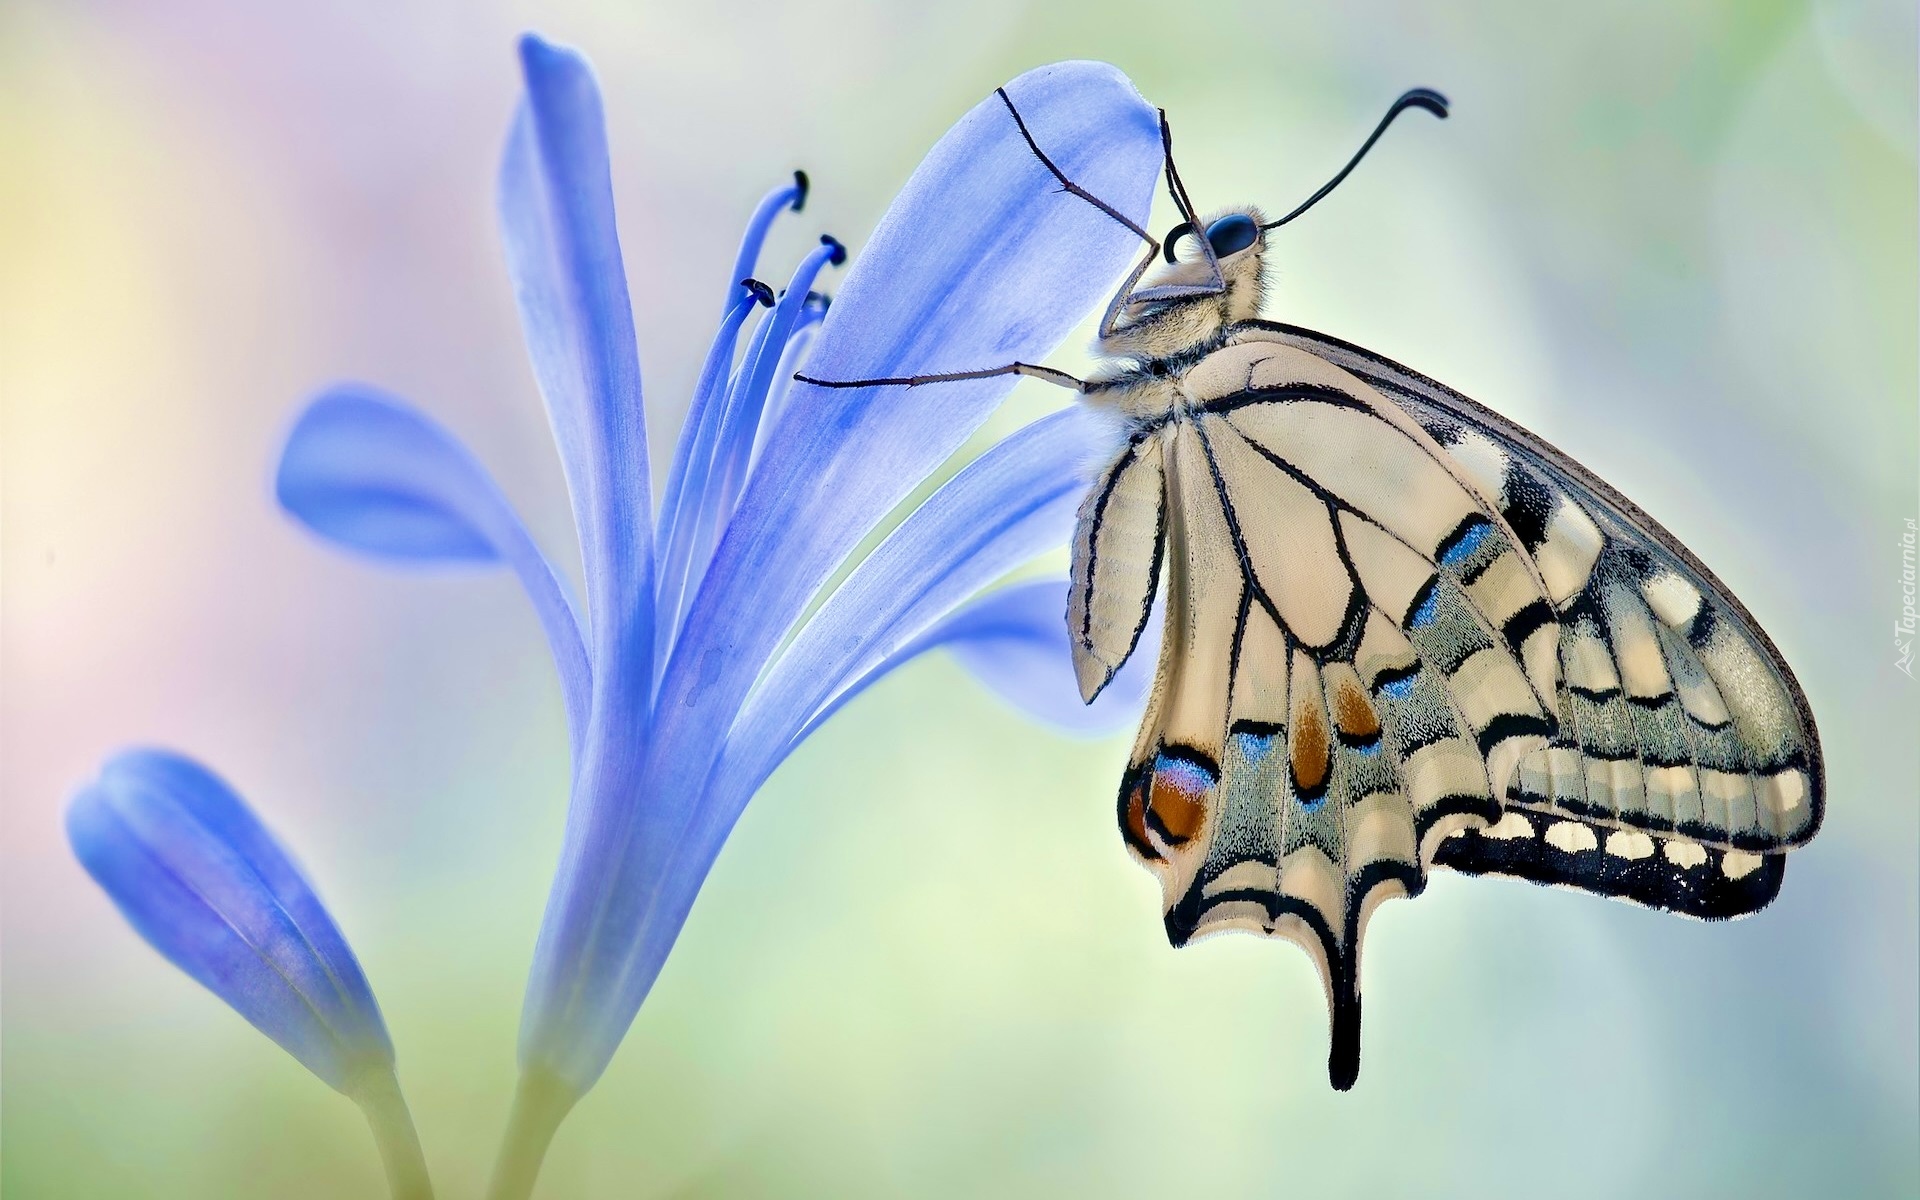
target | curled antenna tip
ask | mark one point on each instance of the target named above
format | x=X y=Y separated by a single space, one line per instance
x=1173 y=238
x=801 y=185
x=1425 y=98
x=839 y=254
x=761 y=291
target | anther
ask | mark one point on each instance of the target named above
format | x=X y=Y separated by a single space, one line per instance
x=800 y=186
x=839 y=252
x=761 y=291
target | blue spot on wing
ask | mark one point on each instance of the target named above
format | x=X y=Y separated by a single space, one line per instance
x=1186 y=775
x=1254 y=746
x=1428 y=607
x=1399 y=688
x=1465 y=545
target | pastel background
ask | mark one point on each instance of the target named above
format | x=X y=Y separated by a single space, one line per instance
x=1676 y=239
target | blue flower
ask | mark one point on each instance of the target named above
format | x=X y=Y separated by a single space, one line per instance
x=694 y=668
x=201 y=879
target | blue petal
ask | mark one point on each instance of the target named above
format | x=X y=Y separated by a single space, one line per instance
x=982 y=259
x=365 y=470
x=1012 y=503
x=1015 y=641
x=201 y=879
x=556 y=209
x=799 y=346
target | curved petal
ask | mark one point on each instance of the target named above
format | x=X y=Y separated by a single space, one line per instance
x=1012 y=503
x=556 y=213
x=366 y=471
x=799 y=345
x=201 y=879
x=980 y=260
x=1015 y=642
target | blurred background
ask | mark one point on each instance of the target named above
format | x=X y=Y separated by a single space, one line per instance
x=1676 y=239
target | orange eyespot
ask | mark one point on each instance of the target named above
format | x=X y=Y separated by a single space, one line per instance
x=1177 y=798
x=1176 y=811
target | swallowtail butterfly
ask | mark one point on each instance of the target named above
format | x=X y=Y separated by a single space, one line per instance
x=1401 y=632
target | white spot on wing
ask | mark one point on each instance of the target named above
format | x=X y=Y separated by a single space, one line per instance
x=1483 y=462
x=1682 y=853
x=1571 y=836
x=1675 y=601
x=1513 y=825
x=1566 y=557
x=1622 y=843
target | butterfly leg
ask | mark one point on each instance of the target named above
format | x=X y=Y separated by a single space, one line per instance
x=1030 y=370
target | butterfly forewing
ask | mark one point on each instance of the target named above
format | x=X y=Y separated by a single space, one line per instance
x=1116 y=562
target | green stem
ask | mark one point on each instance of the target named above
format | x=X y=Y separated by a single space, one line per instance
x=377 y=1092
x=540 y=1103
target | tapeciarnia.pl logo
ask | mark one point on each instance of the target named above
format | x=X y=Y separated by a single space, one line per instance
x=1903 y=629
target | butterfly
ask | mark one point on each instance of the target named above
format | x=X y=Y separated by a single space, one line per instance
x=1400 y=632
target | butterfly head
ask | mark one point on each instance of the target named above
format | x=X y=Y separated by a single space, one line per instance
x=1238 y=239
x=1158 y=327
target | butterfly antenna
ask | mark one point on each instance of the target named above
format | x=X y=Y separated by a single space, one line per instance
x=1425 y=98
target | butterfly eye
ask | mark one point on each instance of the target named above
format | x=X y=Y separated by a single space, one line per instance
x=1232 y=234
x=1229 y=235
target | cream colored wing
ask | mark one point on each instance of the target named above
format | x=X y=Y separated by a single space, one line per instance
x=1116 y=563
x=1687 y=760
x=1371 y=666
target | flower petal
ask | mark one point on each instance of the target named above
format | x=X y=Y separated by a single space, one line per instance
x=981 y=259
x=1015 y=641
x=201 y=879
x=556 y=210
x=1012 y=503
x=369 y=472
x=799 y=346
